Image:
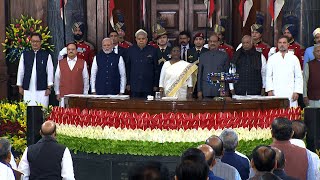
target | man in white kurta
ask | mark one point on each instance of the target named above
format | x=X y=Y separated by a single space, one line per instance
x=284 y=75
x=32 y=96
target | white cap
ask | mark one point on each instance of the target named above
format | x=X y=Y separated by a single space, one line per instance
x=140 y=31
x=315 y=32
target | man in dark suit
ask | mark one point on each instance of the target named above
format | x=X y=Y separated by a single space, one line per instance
x=142 y=67
x=184 y=42
x=114 y=36
x=211 y=61
x=193 y=54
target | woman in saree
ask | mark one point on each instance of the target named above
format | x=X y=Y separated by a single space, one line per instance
x=176 y=76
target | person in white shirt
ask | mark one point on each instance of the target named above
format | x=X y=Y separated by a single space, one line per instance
x=284 y=75
x=299 y=133
x=35 y=74
x=6 y=172
x=47 y=159
x=71 y=76
x=108 y=73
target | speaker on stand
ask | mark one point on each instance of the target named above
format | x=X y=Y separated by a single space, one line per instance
x=34 y=122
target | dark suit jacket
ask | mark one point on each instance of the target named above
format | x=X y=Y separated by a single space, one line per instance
x=211 y=61
x=192 y=54
x=142 y=67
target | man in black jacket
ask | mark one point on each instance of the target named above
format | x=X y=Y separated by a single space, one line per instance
x=251 y=67
x=47 y=159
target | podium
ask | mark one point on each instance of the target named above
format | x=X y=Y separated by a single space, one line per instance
x=34 y=122
x=312 y=121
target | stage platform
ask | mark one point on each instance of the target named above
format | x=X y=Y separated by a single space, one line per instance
x=116 y=166
x=124 y=104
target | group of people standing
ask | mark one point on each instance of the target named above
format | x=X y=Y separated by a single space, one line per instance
x=180 y=71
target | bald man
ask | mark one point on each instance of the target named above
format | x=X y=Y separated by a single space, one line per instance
x=221 y=169
x=210 y=159
x=108 y=73
x=47 y=159
x=251 y=67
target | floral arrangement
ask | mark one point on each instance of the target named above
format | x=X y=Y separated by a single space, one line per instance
x=13 y=124
x=18 y=37
x=164 y=134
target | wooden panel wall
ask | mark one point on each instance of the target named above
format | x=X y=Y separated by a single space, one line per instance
x=34 y=8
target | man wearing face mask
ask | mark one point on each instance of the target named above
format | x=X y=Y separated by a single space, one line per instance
x=85 y=49
x=108 y=72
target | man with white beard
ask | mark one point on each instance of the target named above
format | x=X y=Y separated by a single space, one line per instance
x=108 y=72
x=284 y=75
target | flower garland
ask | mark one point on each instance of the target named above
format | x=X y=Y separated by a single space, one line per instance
x=18 y=37
x=98 y=131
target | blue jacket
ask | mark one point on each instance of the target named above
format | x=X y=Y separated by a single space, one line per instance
x=240 y=163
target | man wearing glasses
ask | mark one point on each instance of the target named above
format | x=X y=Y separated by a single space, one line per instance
x=35 y=74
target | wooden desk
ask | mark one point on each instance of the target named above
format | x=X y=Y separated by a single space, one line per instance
x=158 y=106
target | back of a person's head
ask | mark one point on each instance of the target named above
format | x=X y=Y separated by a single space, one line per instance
x=281 y=129
x=208 y=152
x=4 y=149
x=193 y=154
x=264 y=158
x=299 y=129
x=216 y=143
x=192 y=170
x=230 y=139
x=279 y=158
x=269 y=176
x=149 y=171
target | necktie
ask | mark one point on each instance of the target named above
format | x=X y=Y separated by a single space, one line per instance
x=162 y=50
x=184 y=53
x=198 y=54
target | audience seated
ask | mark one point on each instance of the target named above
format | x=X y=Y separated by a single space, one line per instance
x=263 y=160
x=192 y=166
x=281 y=133
x=6 y=171
x=210 y=156
x=222 y=169
x=279 y=170
x=149 y=171
x=230 y=142
x=299 y=133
